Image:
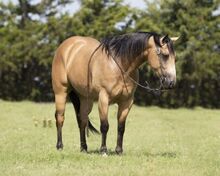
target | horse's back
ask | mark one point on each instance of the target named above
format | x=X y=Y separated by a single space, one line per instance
x=75 y=47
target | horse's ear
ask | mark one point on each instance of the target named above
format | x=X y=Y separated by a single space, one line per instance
x=165 y=39
x=174 y=39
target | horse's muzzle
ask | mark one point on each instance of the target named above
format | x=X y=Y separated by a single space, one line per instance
x=168 y=83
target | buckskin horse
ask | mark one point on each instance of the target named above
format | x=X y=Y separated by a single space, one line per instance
x=107 y=71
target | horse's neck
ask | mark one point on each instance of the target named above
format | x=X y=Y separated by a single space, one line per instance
x=133 y=65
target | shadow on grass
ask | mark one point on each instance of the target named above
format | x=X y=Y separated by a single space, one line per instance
x=147 y=154
x=161 y=154
x=97 y=152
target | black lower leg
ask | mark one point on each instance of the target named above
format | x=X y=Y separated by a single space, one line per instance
x=121 y=129
x=83 y=145
x=59 y=124
x=104 y=129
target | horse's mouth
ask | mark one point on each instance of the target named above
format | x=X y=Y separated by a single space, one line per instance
x=163 y=87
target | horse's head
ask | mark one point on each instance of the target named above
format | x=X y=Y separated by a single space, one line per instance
x=161 y=58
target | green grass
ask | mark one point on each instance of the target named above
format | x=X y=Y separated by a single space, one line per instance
x=157 y=142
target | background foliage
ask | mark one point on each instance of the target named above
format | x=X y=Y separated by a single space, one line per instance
x=30 y=33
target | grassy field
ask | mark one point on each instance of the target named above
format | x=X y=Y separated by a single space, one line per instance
x=157 y=142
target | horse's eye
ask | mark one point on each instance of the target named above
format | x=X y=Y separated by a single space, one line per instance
x=165 y=56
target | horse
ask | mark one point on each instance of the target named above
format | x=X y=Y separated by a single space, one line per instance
x=106 y=71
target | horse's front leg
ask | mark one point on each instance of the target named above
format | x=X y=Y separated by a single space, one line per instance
x=123 y=110
x=103 y=104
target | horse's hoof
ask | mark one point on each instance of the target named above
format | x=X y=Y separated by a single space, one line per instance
x=119 y=150
x=103 y=150
x=83 y=149
x=59 y=146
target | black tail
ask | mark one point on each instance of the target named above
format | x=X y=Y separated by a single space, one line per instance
x=76 y=103
x=92 y=128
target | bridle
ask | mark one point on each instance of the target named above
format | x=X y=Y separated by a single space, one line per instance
x=154 y=91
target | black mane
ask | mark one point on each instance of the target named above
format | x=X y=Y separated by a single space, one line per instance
x=129 y=46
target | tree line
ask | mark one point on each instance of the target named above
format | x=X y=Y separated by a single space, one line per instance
x=31 y=31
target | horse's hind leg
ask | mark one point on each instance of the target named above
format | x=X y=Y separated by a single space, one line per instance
x=60 y=101
x=60 y=84
x=85 y=109
x=80 y=112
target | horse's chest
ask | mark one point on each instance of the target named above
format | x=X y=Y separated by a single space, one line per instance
x=121 y=92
